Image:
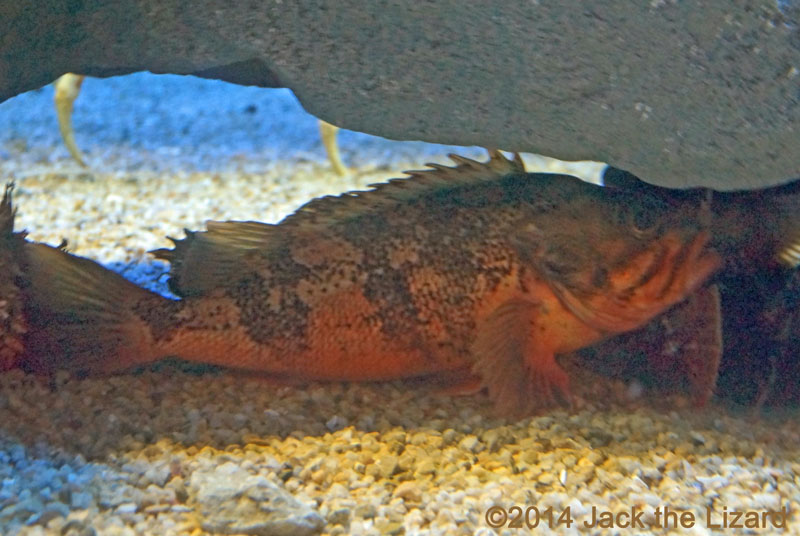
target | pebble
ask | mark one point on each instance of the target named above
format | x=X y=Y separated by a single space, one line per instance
x=339 y=517
x=387 y=465
x=48 y=513
x=228 y=499
x=409 y=491
x=471 y=444
x=127 y=508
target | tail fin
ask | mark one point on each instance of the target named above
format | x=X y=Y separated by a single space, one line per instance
x=81 y=316
x=205 y=260
x=12 y=318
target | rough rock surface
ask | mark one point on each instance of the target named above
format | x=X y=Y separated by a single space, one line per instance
x=679 y=93
x=232 y=501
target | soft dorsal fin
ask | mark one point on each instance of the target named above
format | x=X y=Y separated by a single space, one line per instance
x=205 y=260
x=328 y=209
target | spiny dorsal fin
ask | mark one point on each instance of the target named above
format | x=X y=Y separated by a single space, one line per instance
x=329 y=209
x=205 y=260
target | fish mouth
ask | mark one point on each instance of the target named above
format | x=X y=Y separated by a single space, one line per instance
x=649 y=283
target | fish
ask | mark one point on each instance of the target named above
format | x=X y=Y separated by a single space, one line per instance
x=12 y=318
x=756 y=234
x=479 y=272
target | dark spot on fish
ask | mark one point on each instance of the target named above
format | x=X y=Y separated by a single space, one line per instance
x=162 y=318
x=261 y=321
x=600 y=277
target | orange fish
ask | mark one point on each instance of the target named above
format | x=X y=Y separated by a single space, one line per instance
x=481 y=272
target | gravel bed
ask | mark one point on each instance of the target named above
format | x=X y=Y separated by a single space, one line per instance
x=176 y=449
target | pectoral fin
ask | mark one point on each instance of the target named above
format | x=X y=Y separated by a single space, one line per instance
x=690 y=343
x=519 y=370
x=701 y=342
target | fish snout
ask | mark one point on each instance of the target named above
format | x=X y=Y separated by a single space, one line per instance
x=696 y=264
x=682 y=264
x=676 y=267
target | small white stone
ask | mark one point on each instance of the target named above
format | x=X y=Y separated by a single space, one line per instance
x=127 y=508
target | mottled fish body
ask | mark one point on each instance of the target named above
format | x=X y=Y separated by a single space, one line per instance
x=479 y=271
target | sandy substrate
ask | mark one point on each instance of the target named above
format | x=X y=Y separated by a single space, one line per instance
x=177 y=451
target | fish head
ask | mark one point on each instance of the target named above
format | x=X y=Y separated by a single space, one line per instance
x=751 y=230
x=618 y=256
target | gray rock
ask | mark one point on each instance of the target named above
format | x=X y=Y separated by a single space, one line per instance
x=48 y=513
x=81 y=500
x=24 y=508
x=231 y=500
x=339 y=517
x=678 y=93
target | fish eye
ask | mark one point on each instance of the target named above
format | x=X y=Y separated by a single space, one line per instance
x=643 y=218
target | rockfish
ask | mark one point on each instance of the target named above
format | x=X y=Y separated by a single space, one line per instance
x=479 y=272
